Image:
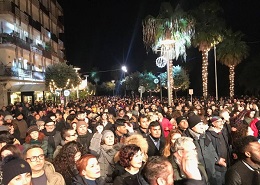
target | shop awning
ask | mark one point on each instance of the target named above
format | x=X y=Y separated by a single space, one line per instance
x=28 y=87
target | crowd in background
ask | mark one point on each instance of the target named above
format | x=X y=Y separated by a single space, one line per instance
x=113 y=140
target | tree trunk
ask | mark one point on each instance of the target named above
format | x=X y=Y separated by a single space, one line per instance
x=205 y=73
x=231 y=80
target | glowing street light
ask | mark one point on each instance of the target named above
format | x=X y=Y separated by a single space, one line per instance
x=124 y=69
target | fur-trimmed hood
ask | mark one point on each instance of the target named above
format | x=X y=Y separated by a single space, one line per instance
x=139 y=140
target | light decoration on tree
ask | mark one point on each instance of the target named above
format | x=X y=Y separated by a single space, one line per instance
x=205 y=72
x=231 y=79
x=169 y=33
x=161 y=62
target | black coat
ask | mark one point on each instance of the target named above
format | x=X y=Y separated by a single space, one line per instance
x=240 y=174
x=152 y=149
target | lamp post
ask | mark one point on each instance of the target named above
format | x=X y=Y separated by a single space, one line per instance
x=113 y=81
x=124 y=69
x=77 y=69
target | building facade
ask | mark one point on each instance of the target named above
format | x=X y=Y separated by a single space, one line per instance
x=30 y=40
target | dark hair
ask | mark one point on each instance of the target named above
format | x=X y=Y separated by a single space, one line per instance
x=64 y=162
x=64 y=133
x=154 y=124
x=155 y=167
x=119 y=122
x=13 y=148
x=6 y=137
x=126 y=154
x=242 y=144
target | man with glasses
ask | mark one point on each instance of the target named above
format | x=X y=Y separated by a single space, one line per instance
x=67 y=135
x=52 y=136
x=43 y=172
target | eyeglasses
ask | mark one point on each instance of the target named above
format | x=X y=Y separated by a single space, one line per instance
x=34 y=158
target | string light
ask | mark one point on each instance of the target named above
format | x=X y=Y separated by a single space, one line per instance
x=205 y=72
x=231 y=79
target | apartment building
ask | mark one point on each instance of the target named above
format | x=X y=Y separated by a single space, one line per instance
x=30 y=40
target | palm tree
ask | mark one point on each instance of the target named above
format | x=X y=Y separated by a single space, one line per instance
x=209 y=27
x=170 y=33
x=231 y=52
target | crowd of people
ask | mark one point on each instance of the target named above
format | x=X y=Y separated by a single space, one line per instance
x=121 y=141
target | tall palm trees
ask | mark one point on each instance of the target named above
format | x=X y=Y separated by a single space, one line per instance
x=170 y=33
x=209 y=27
x=230 y=53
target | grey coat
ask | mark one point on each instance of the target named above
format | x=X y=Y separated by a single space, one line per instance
x=105 y=155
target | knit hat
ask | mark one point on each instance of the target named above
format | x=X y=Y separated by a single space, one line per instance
x=4 y=128
x=32 y=129
x=39 y=123
x=194 y=120
x=180 y=118
x=48 y=120
x=215 y=118
x=79 y=123
x=105 y=133
x=8 y=117
x=13 y=166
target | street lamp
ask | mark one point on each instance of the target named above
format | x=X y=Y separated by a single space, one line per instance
x=124 y=69
x=77 y=69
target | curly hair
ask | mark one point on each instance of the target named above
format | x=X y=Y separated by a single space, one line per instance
x=126 y=154
x=29 y=138
x=64 y=162
x=168 y=143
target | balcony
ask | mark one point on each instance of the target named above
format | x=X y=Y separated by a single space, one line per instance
x=21 y=73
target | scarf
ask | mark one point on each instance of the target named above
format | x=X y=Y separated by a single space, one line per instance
x=50 y=136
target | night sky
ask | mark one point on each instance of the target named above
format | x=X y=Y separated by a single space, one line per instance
x=108 y=33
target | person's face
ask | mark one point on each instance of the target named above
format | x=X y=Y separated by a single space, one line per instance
x=22 y=179
x=183 y=125
x=104 y=116
x=82 y=129
x=109 y=139
x=137 y=159
x=218 y=124
x=199 y=128
x=122 y=129
x=5 y=153
x=50 y=126
x=81 y=116
x=225 y=116
x=156 y=131
x=92 y=170
x=254 y=150
x=72 y=135
x=144 y=123
x=34 y=135
x=36 y=165
x=37 y=117
x=174 y=137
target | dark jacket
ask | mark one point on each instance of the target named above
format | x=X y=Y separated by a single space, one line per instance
x=240 y=174
x=80 y=180
x=206 y=154
x=152 y=149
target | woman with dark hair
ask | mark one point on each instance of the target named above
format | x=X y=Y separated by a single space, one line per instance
x=34 y=136
x=65 y=161
x=89 y=171
x=131 y=158
x=10 y=149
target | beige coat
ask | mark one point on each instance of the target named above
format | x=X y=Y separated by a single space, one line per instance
x=53 y=177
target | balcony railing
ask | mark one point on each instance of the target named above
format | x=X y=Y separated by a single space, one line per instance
x=22 y=73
